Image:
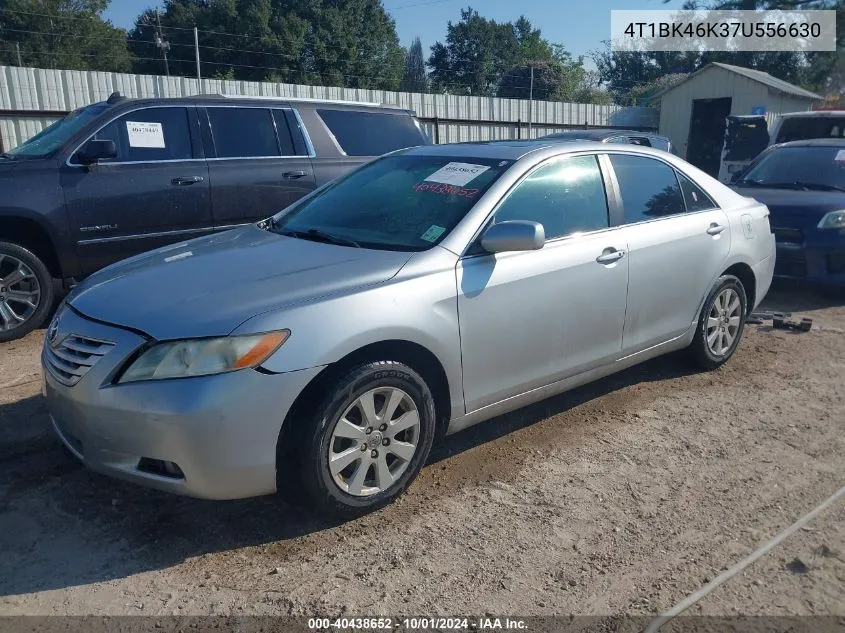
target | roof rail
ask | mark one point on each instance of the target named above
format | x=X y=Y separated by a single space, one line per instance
x=307 y=99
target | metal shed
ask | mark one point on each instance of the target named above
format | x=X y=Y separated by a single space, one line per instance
x=693 y=111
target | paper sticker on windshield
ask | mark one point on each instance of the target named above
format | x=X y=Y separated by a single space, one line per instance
x=145 y=134
x=456 y=173
x=432 y=233
x=840 y=156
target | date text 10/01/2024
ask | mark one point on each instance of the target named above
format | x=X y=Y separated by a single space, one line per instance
x=416 y=624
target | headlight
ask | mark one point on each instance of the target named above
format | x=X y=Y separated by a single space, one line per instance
x=833 y=220
x=202 y=357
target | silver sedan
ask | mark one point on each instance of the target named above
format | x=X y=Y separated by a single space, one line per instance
x=326 y=348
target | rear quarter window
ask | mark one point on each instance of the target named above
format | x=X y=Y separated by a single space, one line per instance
x=372 y=133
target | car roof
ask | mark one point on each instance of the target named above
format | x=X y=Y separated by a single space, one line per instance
x=503 y=150
x=815 y=142
x=595 y=133
x=813 y=113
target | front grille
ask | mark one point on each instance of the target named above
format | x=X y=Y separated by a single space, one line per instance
x=74 y=356
x=788 y=236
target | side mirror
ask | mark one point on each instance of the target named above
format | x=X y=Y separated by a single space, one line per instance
x=513 y=235
x=97 y=149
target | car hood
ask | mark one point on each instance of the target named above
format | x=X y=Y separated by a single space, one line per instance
x=210 y=285
x=795 y=209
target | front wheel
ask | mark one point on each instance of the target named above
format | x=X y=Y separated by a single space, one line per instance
x=368 y=439
x=26 y=292
x=720 y=323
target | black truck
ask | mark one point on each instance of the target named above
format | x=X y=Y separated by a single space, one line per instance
x=123 y=176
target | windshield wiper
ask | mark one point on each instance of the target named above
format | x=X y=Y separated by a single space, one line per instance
x=315 y=235
x=7 y=156
x=750 y=182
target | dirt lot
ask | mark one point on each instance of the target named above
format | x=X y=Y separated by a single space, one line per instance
x=620 y=498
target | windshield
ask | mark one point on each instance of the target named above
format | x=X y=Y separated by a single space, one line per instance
x=402 y=202
x=53 y=137
x=799 y=167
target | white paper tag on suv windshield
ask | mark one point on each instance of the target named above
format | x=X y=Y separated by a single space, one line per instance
x=840 y=156
x=145 y=134
x=457 y=174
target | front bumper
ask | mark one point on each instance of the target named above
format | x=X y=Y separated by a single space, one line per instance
x=221 y=431
x=819 y=257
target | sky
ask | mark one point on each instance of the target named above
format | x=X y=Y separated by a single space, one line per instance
x=580 y=25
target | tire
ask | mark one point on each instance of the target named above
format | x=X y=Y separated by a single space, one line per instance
x=376 y=476
x=37 y=283
x=712 y=353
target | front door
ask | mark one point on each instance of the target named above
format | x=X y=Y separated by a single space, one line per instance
x=153 y=193
x=256 y=169
x=677 y=243
x=528 y=319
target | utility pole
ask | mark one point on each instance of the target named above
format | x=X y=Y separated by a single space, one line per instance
x=531 y=101
x=18 y=51
x=197 y=52
x=163 y=44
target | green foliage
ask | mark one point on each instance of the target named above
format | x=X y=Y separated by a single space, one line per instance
x=489 y=58
x=69 y=34
x=350 y=43
x=414 y=77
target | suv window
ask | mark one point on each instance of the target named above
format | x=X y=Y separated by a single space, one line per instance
x=243 y=132
x=372 y=133
x=565 y=196
x=649 y=188
x=286 y=135
x=150 y=134
x=694 y=197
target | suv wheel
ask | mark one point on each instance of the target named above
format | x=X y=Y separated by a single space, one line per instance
x=26 y=292
x=720 y=324
x=368 y=439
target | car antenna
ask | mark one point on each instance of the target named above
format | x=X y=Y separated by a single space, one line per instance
x=115 y=97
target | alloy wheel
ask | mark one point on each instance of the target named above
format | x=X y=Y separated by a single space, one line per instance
x=20 y=292
x=723 y=322
x=373 y=442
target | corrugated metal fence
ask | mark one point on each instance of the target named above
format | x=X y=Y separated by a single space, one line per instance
x=32 y=98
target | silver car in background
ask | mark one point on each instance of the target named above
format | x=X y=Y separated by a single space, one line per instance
x=327 y=347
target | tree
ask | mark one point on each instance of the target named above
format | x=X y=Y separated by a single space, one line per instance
x=485 y=57
x=350 y=43
x=476 y=55
x=414 y=77
x=68 y=34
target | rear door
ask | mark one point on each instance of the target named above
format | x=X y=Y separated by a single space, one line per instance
x=153 y=193
x=678 y=241
x=258 y=162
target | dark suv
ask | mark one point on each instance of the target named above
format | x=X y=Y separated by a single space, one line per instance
x=124 y=176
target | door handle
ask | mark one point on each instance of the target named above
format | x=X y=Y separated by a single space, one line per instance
x=610 y=255
x=186 y=180
x=293 y=174
x=715 y=229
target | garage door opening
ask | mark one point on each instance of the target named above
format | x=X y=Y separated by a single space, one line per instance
x=707 y=133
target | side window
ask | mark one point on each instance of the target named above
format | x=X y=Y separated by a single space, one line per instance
x=648 y=187
x=372 y=133
x=566 y=196
x=286 y=135
x=243 y=132
x=150 y=134
x=694 y=197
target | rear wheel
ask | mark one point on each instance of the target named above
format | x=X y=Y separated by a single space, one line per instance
x=720 y=323
x=368 y=439
x=26 y=291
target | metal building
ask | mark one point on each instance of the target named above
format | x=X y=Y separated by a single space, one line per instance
x=693 y=111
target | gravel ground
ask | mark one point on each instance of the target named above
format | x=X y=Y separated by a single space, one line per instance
x=619 y=498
